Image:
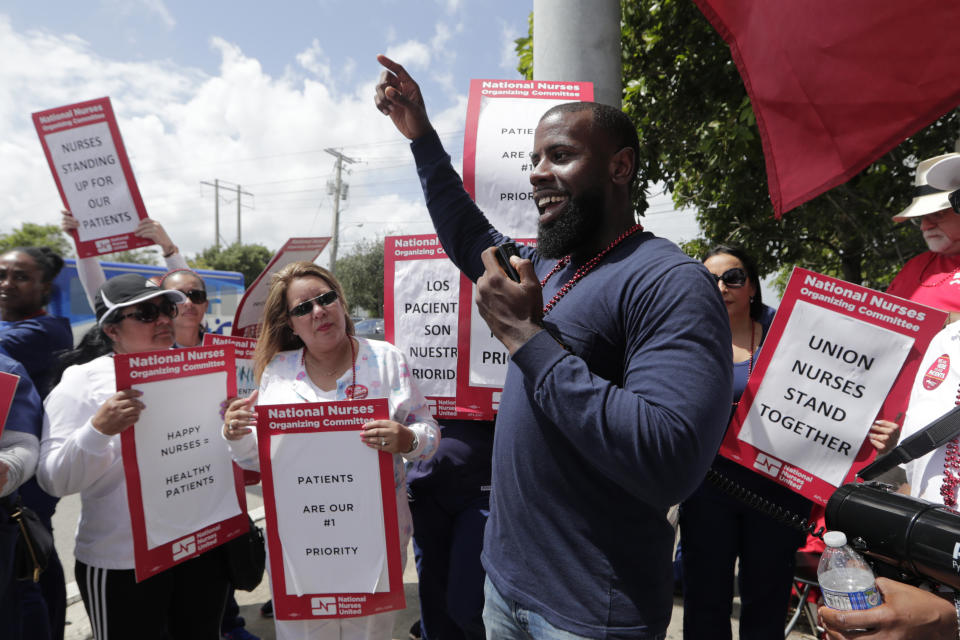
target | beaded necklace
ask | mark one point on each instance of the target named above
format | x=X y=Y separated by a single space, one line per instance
x=951 y=470
x=584 y=268
x=938 y=282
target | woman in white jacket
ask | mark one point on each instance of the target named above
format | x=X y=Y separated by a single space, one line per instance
x=80 y=453
x=307 y=353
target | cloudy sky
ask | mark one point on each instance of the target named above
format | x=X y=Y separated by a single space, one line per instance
x=251 y=93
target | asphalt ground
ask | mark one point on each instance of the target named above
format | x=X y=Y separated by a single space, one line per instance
x=78 y=626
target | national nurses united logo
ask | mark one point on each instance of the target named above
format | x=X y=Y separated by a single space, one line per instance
x=937 y=373
x=356 y=392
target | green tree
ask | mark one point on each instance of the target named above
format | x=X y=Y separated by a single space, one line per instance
x=248 y=259
x=31 y=234
x=699 y=138
x=361 y=274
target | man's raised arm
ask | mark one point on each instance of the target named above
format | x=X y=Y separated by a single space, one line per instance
x=399 y=97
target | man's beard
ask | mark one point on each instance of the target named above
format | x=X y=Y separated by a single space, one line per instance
x=574 y=227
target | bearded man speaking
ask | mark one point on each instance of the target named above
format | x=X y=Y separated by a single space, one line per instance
x=618 y=387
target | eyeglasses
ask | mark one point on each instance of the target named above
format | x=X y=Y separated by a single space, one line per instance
x=305 y=307
x=732 y=278
x=196 y=296
x=147 y=312
x=935 y=218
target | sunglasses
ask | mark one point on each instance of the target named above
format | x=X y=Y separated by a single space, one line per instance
x=305 y=307
x=954 y=199
x=196 y=296
x=147 y=312
x=732 y=278
x=937 y=217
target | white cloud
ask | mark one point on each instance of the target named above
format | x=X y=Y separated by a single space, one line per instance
x=412 y=54
x=240 y=124
x=313 y=60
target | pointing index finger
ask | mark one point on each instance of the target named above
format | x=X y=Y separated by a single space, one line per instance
x=394 y=67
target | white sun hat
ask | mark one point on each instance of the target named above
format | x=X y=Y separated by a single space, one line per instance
x=945 y=173
x=928 y=197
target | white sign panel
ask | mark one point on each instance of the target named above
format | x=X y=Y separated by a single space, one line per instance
x=816 y=413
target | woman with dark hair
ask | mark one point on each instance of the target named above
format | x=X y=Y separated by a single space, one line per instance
x=27 y=333
x=34 y=338
x=188 y=326
x=81 y=453
x=307 y=352
x=717 y=529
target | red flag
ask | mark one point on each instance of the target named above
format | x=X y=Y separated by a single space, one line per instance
x=835 y=84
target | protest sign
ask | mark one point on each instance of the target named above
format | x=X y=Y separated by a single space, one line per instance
x=185 y=494
x=246 y=322
x=89 y=163
x=243 y=358
x=483 y=359
x=331 y=511
x=834 y=352
x=246 y=384
x=501 y=118
x=421 y=300
x=8 y=389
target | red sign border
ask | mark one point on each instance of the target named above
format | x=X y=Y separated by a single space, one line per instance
x=149 y=562
x=293 y=607
x=88 y=248
x=461 y=410
x=8 y=391
x=813 y=487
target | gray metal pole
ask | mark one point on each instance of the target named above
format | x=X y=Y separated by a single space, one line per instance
x=238 y=214
x=578 y=40
x=216 y=212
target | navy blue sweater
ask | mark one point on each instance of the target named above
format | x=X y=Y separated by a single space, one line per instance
x=592 y=447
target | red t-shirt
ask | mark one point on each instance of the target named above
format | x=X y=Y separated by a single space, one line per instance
x=932 y=279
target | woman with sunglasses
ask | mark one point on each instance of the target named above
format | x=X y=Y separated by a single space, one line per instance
x=80 y=453
x=307 y=352
x=188 y=326
x=716 y=529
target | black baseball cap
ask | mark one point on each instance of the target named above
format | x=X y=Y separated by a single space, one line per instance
x=127 y=290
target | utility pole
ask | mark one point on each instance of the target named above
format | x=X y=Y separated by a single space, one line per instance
x=575 y=40
x=339 y=191
x=216 y=209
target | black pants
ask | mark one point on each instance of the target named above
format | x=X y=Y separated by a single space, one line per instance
x=184 y=602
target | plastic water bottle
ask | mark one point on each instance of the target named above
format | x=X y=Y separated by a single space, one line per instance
x=846 y=580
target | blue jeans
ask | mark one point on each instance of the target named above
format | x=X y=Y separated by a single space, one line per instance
x=506 y=620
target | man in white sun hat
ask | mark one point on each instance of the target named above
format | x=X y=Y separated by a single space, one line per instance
x=933 y=277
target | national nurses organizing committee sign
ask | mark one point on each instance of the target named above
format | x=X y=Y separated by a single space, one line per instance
x=483 y=363
x=831 y=358
x=331 y=511
x=243 y=349
x=421 y=306
x=93 y=174
x=501 y=118
x=185 y=494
